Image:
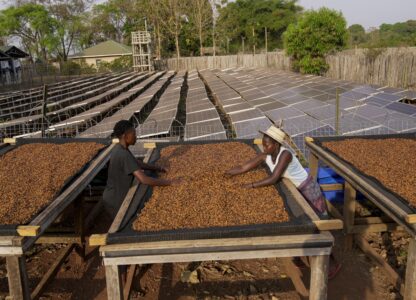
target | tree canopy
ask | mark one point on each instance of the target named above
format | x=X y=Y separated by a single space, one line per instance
x=316 y=34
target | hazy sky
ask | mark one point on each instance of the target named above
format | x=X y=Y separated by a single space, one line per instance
x=369 y=13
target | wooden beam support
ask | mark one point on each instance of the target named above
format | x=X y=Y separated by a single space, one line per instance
x=410 y=285
x=313 y=165
x=28 y=230
x=319 y=277
x=113 y=280
x=295 y=275
x=332 y=210
x=382 y=227
x=392 y=275
x=98 y=240
x=54 y=268
x=411 y=219
x=350 y=195
x=11 y=141
x=17 y=277
x=129 y=281
x=333 y=224
x=149 y=145
x=332 y=187
x=258 y=142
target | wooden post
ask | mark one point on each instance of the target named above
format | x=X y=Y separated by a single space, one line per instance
x=410 y=283
x=44 y=108
x=265 y=37
x=17 y=277
x=337 y=112
x=113 y=281
x=79 y=228
x=319 y=277
x=313 y=165
x=350 y=195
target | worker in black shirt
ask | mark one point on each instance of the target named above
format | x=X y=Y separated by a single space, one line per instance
x=124 y=167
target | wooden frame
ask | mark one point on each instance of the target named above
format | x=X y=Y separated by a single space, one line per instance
x=14 y=247
x=399 y=218
x=317 y=246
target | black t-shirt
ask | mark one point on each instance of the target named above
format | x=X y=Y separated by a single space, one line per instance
x=120 y=178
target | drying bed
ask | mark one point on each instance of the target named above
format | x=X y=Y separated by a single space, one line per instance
x=34 y=172
x=390 y=161
x=206 y=197
x=387 y=194
x=286 y=215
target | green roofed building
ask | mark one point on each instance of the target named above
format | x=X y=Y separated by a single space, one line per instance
x=102 y=52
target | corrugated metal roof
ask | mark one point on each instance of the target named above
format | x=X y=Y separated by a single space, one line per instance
x=107 y=48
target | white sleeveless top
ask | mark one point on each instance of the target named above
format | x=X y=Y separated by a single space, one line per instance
x=294 y=171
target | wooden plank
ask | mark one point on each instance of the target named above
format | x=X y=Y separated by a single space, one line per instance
x=17 y=277
x=11 y=141
x=332 y=187
x=295 y=275
x=300 y=199
x=54 y=268
x=125 y=259
x=113 y=282
x=59 y=239
x=332 y=210
x=373 y=220
x=410 y=285
x=149 y=145
x=258 y=142
x=250 y=243
x=27 y=230
x=115 y=141
x=129 y=281
x=350 y=195
x=319 y=277
x=313 y=165
x=392 y=275
x=7 y=250
x=411 y=219
x=128 y=199
x=97 y=240
x=334 y=224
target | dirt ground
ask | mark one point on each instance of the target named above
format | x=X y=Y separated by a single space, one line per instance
x=240 y=279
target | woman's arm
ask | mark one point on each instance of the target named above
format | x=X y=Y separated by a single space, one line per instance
x=145 y=166
x=284 y=160
x=251 y=164
x=143 y=178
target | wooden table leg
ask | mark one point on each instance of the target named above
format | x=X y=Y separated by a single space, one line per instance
x=410 y=283
x=17 y=277
x=319 y=277
x=80 y=229
x=295 y=275
x=313 y=165
x=350 y=195
x=113 y=281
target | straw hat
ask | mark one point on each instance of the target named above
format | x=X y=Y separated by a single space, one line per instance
x=275 y=133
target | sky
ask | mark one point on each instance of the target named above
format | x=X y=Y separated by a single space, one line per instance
x=369 y=13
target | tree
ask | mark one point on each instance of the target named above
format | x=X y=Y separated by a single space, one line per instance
x=239 y=19
x=70 y=24
x=173 y=13
x=316 y=34
x=357 y=34
x=201 y=17
x=33 y=25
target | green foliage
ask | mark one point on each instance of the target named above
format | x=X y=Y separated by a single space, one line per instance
x=238 y=19
x=316 y=34
x=120 y=64
x=32 y=24
x=357 y=34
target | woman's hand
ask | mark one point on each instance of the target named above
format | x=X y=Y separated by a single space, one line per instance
x=231 y=172
x=161 y=170
x=248 y=186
